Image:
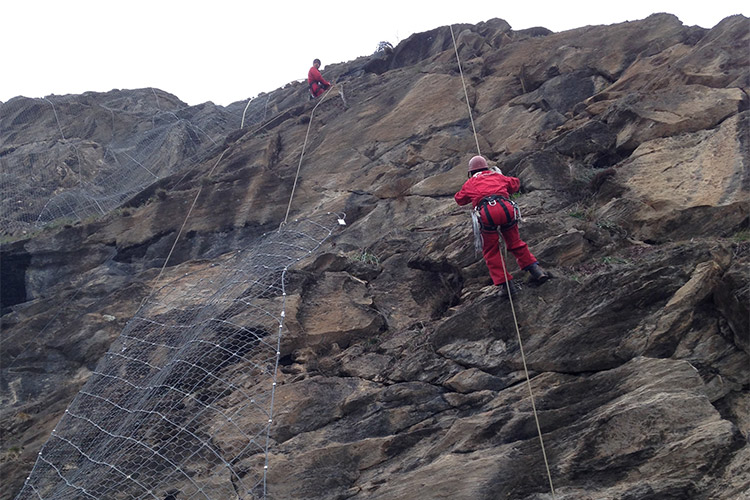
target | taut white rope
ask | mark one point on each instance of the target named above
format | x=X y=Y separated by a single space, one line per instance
x=302 y=155
x=471 y=118
x=507 y=285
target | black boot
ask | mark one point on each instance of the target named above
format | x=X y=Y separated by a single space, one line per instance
x=537 y=273
x=503 y=289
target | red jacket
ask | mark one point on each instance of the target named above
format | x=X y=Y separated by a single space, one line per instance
x=485 y=183
x=314 y=76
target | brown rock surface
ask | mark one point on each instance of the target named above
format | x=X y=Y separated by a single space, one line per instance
x=401 y=372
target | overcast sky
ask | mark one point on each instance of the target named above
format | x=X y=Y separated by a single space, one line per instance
x=226 y=51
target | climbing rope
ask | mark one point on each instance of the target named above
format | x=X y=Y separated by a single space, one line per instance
x=526 y=372
x=302 y=155
x=195 y=199
x=179 y=233
x=291 y=197
x=463 y=82
x=507 y=285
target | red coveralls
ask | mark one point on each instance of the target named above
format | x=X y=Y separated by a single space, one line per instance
x=317 y=83
x=486 y=183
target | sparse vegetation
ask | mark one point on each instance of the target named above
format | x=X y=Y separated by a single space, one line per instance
x=577 y=214
x=23 y=416
x=366 y=257
x=581 y=212
x=11 y=453
x=611 y=226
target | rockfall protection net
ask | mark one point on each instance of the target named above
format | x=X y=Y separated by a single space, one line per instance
x=69 y=158
x=181 y=405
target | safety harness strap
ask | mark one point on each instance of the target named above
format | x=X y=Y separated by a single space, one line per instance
x=491 y=200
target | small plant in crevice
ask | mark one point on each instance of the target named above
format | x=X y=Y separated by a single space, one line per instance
x=366 y=257
x=577 y=214
x=612 y=227
x=12 y=453
x=742 y=236
x=581 y=212
x=608 y=259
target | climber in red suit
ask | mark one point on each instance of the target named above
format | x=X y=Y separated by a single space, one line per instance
x=315 y=80
x=489 y=192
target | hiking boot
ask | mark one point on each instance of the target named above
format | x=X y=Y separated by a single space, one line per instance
x=502 y=291
x=537 y=273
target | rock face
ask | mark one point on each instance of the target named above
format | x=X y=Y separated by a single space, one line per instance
x=401 y=373
x=76 y=157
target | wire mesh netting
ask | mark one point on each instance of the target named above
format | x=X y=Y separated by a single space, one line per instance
x=69 y=158
x=181 y=404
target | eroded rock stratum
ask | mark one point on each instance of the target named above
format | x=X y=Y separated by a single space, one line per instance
x=401 y=372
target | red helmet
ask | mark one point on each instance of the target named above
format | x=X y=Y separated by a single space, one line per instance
x=477 y=163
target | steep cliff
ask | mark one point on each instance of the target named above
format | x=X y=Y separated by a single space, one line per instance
x=401 y=373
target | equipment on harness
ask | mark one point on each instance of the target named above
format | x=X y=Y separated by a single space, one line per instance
x=491 y=201
x=314 y=86
x=478 y=226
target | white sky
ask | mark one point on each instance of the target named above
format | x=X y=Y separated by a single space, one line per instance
x=230 y=50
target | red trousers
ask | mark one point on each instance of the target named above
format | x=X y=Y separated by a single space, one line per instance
x=491 y=247
x=317 y=89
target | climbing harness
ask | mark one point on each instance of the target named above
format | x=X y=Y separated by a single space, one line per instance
x=477 y=228
x=478 y=225
x=314 y=86
x=497 y=200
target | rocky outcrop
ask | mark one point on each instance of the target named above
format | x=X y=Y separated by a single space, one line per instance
x=401 y=370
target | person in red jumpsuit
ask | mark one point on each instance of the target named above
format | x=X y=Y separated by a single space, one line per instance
x=315 y=80
x=489 y=193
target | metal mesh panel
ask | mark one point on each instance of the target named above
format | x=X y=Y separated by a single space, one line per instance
x=69 y=158
x=181 y=404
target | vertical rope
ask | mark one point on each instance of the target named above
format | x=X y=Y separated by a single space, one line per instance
x=526 y=372
x=463 y=82
x=302 y=155
x=179 y=233
x=56 y=118
x=507 y=285
x=275 y=379
x=242 y=124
